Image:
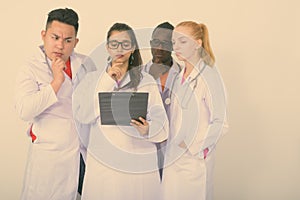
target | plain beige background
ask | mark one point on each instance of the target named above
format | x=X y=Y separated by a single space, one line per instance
x=257 y=49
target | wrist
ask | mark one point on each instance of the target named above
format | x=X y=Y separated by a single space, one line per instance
x=56 y=84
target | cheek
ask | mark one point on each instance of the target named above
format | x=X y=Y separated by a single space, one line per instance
x=186 y=51
x=69 y=48
x=127 y=55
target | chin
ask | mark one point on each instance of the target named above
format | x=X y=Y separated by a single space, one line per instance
x=180 y=58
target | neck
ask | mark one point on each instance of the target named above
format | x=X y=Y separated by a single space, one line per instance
x=190 y=64
x=189 y=68
x=168 y=62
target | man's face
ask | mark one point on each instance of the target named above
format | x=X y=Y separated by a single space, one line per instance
x=59 y=40
x=161 y=45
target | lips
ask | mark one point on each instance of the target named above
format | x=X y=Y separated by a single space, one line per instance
x=119 y=56
x=159 y=55
x=178 y=54
x=58 y=54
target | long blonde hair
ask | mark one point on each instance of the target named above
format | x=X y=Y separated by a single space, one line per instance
x=200 y=31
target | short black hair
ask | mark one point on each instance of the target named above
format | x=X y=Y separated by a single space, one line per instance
x=64 y=15
x=164 y=25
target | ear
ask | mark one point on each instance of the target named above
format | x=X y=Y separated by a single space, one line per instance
x=199 y=42
x=43 y=34
x=76 y=41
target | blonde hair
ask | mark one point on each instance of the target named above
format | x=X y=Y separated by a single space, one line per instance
x=200 y=31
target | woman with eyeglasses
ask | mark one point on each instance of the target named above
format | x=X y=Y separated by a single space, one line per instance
x=121 y=161
x=197 y=117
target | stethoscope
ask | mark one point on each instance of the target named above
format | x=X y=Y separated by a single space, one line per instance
x=195 y=80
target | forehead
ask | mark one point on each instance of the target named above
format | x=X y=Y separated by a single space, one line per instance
x=162 y=34
x=183 y=31
x=60 y=28
x=119 y=35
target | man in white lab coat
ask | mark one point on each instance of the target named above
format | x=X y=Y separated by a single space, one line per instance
x=44 y=89
x=163 y=68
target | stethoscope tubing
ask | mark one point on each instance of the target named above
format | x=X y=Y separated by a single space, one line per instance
x=169 y=98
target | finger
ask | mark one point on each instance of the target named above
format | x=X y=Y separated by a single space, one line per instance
x=115 y=73
x=117 y=65
x=143 y=120
x=135 y=122
x=134 y=125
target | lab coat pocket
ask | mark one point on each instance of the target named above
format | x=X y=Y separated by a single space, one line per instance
x=55 y=134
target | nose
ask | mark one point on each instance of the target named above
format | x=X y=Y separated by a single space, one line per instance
x=60 y=44
x=120 y=49
x=175 y=46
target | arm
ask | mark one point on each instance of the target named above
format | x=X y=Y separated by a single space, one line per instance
x=32 y=98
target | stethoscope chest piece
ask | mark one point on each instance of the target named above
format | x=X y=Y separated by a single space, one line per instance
x=168 y=101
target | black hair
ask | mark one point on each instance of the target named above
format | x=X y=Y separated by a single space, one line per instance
x=66 y=15
x=135 y=60
x=164 y=25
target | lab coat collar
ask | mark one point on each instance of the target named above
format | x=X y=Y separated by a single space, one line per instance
x=196 y=70
x=126 y=79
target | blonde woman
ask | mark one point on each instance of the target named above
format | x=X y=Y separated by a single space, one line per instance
x=197 y=116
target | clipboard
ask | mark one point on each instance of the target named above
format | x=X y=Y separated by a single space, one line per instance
x=118 y=108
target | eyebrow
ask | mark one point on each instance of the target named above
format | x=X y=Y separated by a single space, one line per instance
x=60 y=37
x=182 y=37
x=119 y=41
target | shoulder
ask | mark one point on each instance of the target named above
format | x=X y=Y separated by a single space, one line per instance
x=147 y=77
x=85 y=61
x=146 y=67
x=78 y=55
x=147 y=80
x=34 y=64
x=211 y=73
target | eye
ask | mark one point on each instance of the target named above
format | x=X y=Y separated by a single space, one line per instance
x=55 y=37
x=127 y=44
x=156 y=42
x=68 y=40
x=113 y=43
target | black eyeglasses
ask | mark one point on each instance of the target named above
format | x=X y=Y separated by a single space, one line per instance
x=165 y=44
x=114 y=44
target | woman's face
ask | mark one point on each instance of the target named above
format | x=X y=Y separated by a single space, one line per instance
x=184 y=45
x=120 y=46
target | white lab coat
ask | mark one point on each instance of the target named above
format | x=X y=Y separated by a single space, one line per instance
x=120 y=164
x=53 y=163
x=174 y=70
x=198 y=118
x=165 y=94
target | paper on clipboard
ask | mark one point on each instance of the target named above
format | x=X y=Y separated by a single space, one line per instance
x=118 y=108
